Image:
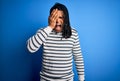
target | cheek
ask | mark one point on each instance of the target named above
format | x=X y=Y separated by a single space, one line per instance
x=61 y=21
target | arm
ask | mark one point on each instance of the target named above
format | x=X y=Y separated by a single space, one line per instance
x=34 y=42
x=78 y=58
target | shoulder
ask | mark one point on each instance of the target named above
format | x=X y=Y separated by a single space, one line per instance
x=40 y=29
x=74 y=31
x=43 y=29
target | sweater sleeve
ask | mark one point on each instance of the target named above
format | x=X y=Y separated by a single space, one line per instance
x=78 y=58
x=35 y=42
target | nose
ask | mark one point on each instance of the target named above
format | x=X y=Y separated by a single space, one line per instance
x=58 y=20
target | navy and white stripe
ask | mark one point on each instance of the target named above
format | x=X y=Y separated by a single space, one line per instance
x=58 y=53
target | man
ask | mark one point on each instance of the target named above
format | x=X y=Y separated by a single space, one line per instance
x=60 y=44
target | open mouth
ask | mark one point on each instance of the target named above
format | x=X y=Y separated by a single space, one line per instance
x=58 y=26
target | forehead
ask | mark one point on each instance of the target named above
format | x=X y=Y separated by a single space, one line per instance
x=60 y=13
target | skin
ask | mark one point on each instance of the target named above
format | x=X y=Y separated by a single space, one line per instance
x=56 y=20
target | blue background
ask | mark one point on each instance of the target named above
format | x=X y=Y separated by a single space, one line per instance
x=98 y=25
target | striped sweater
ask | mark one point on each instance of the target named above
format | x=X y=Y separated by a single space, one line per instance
x=58 y=54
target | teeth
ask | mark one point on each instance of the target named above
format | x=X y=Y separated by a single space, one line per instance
x=59 y=25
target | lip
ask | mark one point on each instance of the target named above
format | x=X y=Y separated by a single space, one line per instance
x=59 y=25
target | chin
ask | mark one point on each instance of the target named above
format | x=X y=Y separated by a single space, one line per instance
x=58 y=29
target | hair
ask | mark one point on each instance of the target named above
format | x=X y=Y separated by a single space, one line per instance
x=66 y=32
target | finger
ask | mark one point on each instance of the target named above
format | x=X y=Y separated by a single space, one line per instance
x=52 y=19
x=55 y=17
x=54 y=12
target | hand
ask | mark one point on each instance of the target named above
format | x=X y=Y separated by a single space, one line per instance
x=52 y=18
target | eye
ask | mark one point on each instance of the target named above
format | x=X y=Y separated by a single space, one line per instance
x=61 y=17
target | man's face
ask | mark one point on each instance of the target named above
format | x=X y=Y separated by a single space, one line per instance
x=59 y=21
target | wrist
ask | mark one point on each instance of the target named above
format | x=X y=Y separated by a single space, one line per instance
x=82 y=78
x=51 y=26
x=48 y=29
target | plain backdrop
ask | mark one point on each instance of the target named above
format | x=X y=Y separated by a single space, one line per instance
x=98 y=25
